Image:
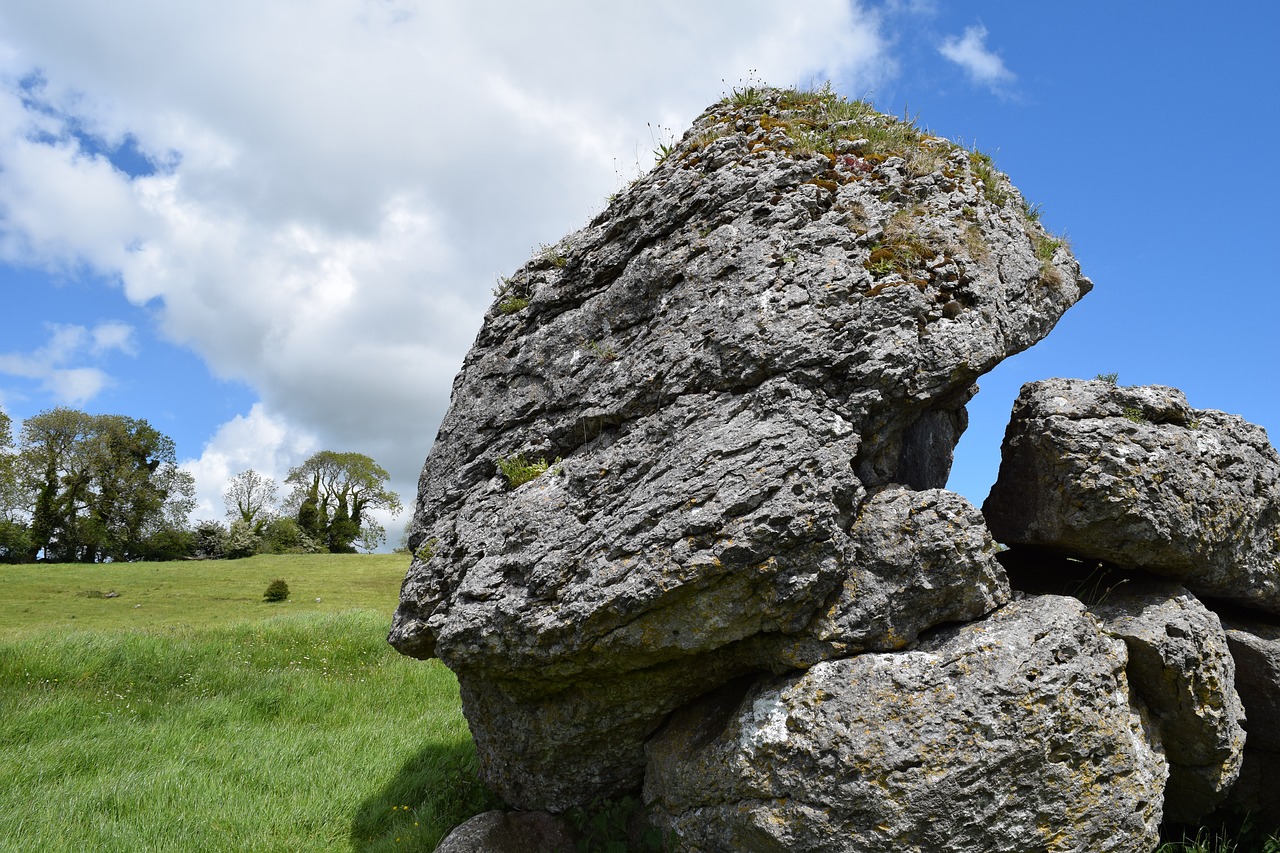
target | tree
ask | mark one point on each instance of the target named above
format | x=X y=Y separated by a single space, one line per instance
x=242 y=540
x=210 y=539
x=15 y=537
x=250 y=497
x=54 y=462
x=333 y=494
x=140 y=491
x=102 y=487
x=283 y=535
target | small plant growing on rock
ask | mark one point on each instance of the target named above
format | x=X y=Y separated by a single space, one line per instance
x=1109 y=378
x=553 y=254
x=277 y=590
x=604 y=352
x=1045 y=249
x=511 y=298
x=426 y=550
x=1046 y=246
x=984 y=169
x=518 y=470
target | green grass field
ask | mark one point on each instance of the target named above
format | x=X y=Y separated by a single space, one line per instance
x=186 y=714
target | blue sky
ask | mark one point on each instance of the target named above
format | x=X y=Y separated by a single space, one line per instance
x=273 y=228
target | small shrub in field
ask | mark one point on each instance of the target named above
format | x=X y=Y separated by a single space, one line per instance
x=277 y=590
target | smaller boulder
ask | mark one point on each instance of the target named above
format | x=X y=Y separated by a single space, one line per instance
x=1181 y=669
x=1015 y=733
x=510 y=832
x=1135 y=477
x=917 y=559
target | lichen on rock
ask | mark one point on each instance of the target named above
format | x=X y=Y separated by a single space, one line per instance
x=1013 y=733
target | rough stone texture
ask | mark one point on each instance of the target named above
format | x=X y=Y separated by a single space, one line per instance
x=914 y=559
x=727 y=361
x=1181 y=669
x=510 y=832
x=1016 y=733
x=1254 y=641
x=918 y=559
x=1136 y=477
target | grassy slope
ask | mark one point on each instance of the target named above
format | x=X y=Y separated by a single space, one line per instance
x=193 y=593
x=206 y=720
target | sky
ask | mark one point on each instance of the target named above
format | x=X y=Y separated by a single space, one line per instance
x=273 y=228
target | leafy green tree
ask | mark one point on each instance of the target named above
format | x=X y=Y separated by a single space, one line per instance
x=15 y=536
x=55 y=460
x=169 y=543
x=283 y=535
x=242 y=540
x=210 y=539
x=102 y=486
x=250 y=497
x=333 y=494
x=140 y=491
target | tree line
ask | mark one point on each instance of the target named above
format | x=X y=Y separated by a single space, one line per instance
x=82 y=488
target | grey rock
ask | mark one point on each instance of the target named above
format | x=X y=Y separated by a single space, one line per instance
x=918 y=559
x=1254 y=641
x=1181 y=669
x=1136 y=477
x=510 y=832
x=1015 y=733
x=727 y=361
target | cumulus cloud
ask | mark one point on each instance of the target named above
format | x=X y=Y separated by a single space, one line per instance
x=53 y=364
x=259 y=440
x=970 y=52
x=335 y=184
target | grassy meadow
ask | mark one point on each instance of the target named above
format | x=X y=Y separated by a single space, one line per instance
x=187 y=714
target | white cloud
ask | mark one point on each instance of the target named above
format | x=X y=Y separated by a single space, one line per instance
x=52 y=364
x=982 y=65
x=341 y=180
x=113 y=335
x=260 y=440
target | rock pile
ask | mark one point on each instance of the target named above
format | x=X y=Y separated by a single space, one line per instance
x=1104 y=489
x=683 y=529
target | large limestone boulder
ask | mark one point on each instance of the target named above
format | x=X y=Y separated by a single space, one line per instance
x=784 y=318
x=1181 y=669
x=1015 y=733
x=1137 y=478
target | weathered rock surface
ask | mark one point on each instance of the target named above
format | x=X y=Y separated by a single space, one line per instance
x=1254 y=641
x=1181 y=669
x=917 y=559
x=1136 y=477
x=510 y=832
x=1015 y=733
x=786 y=316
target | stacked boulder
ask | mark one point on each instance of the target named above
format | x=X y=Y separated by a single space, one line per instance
x=683 y=530
x=1169 y=518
